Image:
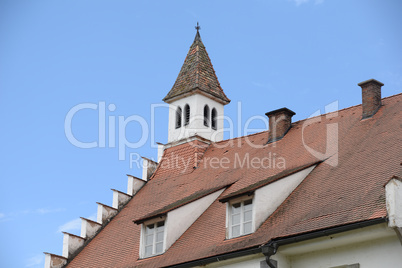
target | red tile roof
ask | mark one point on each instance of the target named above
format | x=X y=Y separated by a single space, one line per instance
x=369 y=153
x=197 y=74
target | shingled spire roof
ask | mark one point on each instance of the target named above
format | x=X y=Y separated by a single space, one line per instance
x=197 y=74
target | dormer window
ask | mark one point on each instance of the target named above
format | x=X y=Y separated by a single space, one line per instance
x=153 y=238
x=214 y=114
x=240 y=217
x=178 y=117
x=186 y=115
x=206 y=116
x=159 y=233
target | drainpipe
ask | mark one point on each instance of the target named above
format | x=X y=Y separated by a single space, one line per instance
x=269 y=250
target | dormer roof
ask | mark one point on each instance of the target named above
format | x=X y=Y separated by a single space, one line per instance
x=197 y=75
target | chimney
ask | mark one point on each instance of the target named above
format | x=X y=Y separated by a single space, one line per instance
x=280 y=122
x=371 y=97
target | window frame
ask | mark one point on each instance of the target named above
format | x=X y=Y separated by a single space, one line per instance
x=179 y=116
x=214 y=122
x=186 y=115
x=144 y=225
x=206 y=116
x=229 y=214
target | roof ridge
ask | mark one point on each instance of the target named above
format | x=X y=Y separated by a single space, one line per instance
x=344 y=109
x=301 y=120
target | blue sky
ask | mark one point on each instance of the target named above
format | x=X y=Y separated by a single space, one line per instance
x=55 y=55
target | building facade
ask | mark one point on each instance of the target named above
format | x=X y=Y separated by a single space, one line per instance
x=320 y=192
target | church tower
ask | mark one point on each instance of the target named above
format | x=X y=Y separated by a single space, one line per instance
x=196 y=99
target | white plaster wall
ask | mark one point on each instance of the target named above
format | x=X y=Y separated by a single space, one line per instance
x=119 y=199
x=65 y=245
x=54 y=261
x=71 y=244
x=268 y=198
x=134 y=185
x=282 y=260
x=393 y=193
x=89 y=229
x=48 y=261
x=372 y=247
x=180 y=219
x=145 y=163
x=385 y=252
x=196 y=125
x=148 y=168
x=105 y=213
x=252 y=261
x=161 y=148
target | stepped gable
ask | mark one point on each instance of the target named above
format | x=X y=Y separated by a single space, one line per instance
x=351 y=191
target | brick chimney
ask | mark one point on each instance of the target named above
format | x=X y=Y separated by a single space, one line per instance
x=280 y=122
x=371 y=97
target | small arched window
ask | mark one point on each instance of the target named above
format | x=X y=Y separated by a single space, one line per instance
x=186 y=115
x=206 y=116
x=178 y=117
x=214 y=114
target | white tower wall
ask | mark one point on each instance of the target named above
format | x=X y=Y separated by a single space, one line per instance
x=196 y=125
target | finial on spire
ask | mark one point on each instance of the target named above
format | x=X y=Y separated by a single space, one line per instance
x=197 y=35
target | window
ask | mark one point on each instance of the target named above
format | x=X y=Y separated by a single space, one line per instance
x=206 y=116
x=240 y=218
x=214 y=115
x=178 y=117
x=186 y=115
x=153 y=238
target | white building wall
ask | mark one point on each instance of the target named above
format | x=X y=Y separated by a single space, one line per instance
x=180 y=219
x=385 y=252
x=252 y=261
x=196 y=125
x=370 y=247
x=393 y=193
x=268 y=198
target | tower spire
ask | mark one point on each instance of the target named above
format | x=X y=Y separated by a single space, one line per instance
x=197 y=74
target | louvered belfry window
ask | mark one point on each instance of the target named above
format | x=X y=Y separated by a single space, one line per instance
x=206 y=116
x=214 y=114
x=186 y=115
x=178 y=117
